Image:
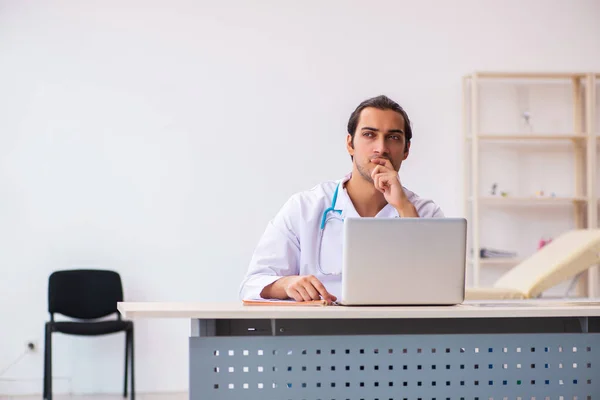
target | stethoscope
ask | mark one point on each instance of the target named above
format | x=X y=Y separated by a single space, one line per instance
x=324 y=220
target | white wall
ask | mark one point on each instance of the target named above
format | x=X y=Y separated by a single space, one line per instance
x=158 y=138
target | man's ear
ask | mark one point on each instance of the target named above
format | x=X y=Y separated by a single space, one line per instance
x=406 y=151
x=349 y=145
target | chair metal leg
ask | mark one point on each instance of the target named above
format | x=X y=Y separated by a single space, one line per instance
x=127 y=339
x=49 y=362
x=131 y=347
x=45 y=361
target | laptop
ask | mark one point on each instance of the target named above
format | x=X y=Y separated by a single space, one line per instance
x=404 y=261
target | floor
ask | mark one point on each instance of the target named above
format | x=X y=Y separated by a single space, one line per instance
x=139 y=396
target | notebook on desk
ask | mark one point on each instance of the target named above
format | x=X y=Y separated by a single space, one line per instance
x=290 y=302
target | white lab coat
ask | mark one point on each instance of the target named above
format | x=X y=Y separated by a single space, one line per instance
x=290 y=242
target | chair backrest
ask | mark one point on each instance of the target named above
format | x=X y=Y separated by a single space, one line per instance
x=84 y=293
x=565 y=257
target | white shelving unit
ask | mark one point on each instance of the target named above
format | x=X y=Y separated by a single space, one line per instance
x=593 y=124
x=523 y=129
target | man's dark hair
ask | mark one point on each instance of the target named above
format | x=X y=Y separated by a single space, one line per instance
x=382 y=103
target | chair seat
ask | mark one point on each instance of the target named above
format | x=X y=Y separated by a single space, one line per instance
x=91 y=328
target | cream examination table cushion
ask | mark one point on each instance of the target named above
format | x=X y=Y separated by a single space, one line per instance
x=566 y=256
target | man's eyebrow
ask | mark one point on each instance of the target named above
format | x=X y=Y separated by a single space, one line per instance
x=368 y=128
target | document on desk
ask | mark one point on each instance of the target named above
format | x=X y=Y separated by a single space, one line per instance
x=290 y=302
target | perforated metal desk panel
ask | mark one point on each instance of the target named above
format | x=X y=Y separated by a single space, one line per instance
x=479 y=351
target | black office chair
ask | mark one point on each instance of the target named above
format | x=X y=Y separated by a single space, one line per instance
x=85 y=295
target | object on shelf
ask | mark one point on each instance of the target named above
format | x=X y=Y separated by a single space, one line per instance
x=527 y=117
x=539 y=193
x=494 y=187
x=524 y=104
x=504 y=194
x=485 y=252
x=543 y=242
x=552 y=194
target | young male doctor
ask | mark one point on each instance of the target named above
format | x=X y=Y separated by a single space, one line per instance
x=300 y=254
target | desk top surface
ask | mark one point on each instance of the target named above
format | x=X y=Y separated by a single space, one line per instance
x=495 y=309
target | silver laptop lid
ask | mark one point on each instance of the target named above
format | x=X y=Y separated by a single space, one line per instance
x=397 y=261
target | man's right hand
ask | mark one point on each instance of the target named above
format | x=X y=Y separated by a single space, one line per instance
x=299 y=288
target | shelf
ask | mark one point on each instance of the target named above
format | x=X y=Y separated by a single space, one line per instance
x=498 y=261
x=493 y=136
x=532 y=136
x=527 y=75
x=529 y=201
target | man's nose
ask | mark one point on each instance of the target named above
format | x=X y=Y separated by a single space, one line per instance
x=380 y=147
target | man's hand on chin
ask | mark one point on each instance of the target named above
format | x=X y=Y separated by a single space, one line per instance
x=387 y=181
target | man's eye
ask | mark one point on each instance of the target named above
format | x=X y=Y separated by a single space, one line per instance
x=368 y=134
x=395 y=137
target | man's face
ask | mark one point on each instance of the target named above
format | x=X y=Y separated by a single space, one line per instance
x=379 y=134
